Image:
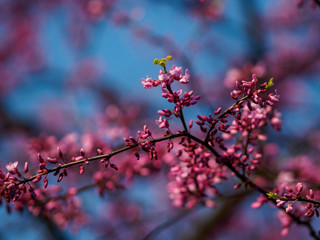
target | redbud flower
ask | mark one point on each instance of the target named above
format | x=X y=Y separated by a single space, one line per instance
x=217 y=111
x=176 y=72
x=45 y=185
x=185 y=78
x=190 y=124
x=82 y=152
x=299 y=187
x=256 y=205
x=163 y=123
x=147 y=83
x=280 y=203
x=60 y=177
x=25 y=170
x=42 y=166
x=114 y=166
x=81 y=169
x=169 y=145
x=237 y=186
x=289 y=208
x=60 y=152
x=37 y=179
x=40 y=158
x=311 y=194
x=165 y=112
x=52 y=160
x=12 y=167
x=78 y=158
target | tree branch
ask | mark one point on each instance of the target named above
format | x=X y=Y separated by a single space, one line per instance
x=95 y=158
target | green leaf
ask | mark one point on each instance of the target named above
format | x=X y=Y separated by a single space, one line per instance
x=270 y=83
x=156 y=61
x=272 y=195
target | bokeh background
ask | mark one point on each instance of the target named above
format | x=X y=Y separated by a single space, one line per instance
x=66 y=66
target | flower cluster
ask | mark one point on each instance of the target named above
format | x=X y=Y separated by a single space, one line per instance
x=291 y=196
x=195 y=177
x=179 y=98
x=167 y=78
x=295 y=202
x=250 y=114
x=65 y=210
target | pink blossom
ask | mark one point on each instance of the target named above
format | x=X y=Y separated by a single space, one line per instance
x=176 y=72
x=185 y=78
x=147 y=83
x=163 y=123
x=25 y=169
x=165 y=112
x=289 y=208
x=299 y=187
x=256 y=205
x=12 y=167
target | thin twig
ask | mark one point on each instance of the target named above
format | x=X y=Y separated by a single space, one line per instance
x=299 y=199
x=167 y=223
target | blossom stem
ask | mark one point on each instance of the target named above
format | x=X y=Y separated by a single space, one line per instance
x=300 y=199
x=181 y=116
